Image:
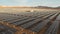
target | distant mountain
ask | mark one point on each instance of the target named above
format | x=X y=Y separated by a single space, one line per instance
x=58 y=7
x=46 y=7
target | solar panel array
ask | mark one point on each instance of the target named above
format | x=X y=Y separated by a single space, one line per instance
x=43 y=22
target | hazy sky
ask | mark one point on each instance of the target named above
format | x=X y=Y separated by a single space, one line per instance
x=52 y=3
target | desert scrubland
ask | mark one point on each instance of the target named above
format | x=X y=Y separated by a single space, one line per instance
x=23 y=9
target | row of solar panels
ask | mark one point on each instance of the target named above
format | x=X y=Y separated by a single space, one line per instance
x=6 y=30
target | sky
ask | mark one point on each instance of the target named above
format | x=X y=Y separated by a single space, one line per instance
x=50 y=3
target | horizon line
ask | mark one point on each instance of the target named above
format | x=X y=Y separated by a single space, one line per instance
x=26 y=6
